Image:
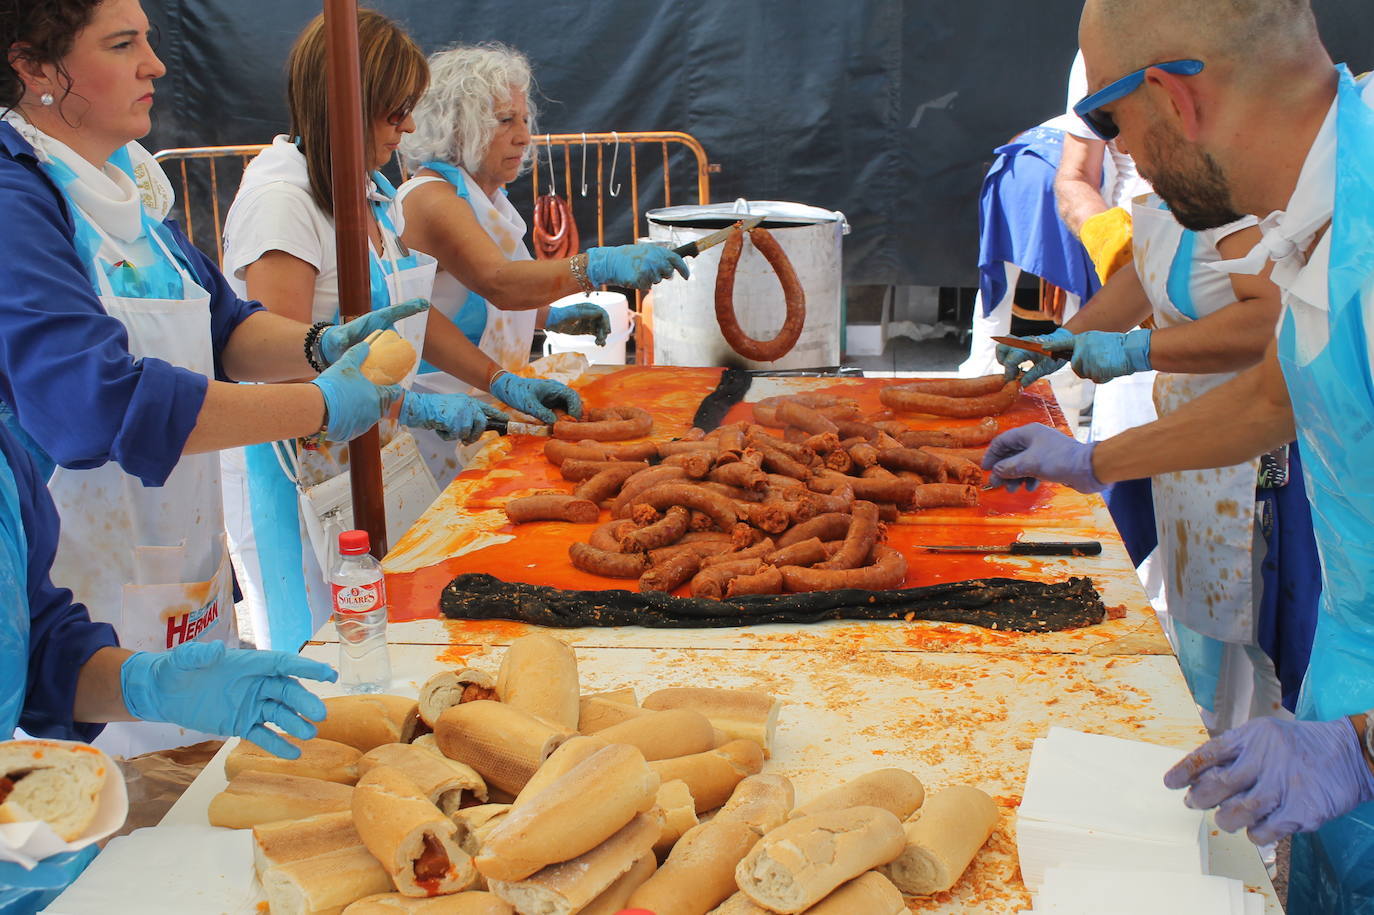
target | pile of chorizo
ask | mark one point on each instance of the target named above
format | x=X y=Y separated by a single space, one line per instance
x=966 y=398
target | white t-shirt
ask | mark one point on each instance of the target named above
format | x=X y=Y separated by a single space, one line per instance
x=1121 y=182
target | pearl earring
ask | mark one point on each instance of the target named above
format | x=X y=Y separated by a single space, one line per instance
x=47 y=99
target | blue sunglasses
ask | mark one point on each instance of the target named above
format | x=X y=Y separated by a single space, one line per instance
x=1101 y=122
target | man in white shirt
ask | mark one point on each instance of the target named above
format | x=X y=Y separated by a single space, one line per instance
x=1232 y=107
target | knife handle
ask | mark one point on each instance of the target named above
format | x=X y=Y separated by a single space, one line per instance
x=499 y=426
x=1050 y=548
x=687 y=250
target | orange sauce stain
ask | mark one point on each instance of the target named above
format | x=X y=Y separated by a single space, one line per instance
x=456 y=655
x=499 y=630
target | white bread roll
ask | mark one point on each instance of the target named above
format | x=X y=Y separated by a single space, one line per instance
x=57 y=783
x=761 y=801
x=678 y=811
x=700 y=871
x=616 y=896
x=663 y=735
x=539 y=675
x=446 y=782
x=426 y=742
x=367 y=721
x=505 y=745
x=891 y=789
x=252 y=798
x=625 y=696
x=942 y=840
x=872 y=894
x=408 y=834
x=390 y=357
x=574 y=814
x=563 y=889
x=596 y=713
x=285 y=841
x=324 y=883
x=476 y=823
x=560 y=762
x=740 y=904
x=804 y=860
x=713 y=775
x=453 y=687
x=328 y=760
x=742 y=714
x=457 y=904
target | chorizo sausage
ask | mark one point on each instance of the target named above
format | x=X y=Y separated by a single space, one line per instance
x=767 y=580
x=710 y=582
x=877 y=472
x=829 y=526
x=887 y=572
x=757 y=551
x=942 y=495
x=958 y=387
x=697 y=463
x=897 y=490
x=606 y=483
x=823 y=443
x=664 y=532
x=627 y=451
x=557 y=451
x=641 y=481
x=684 y=446
x=908 y=400
x=766 y=410
x=760 y=439
x=552 y=507
x=859 y=540
x=588 y=558
x=850 y=428
x=716 y=544
x=730 y=441
x=671 y=573
x=772 y=517
x=805 y=553
x=791 y=413
x=606 y=424
x=741 y=475
x=838 y=499
x=575 y=469
x=839 y=461
x=793 y=296
x=863 y=455
x=778 y=462
x=713 y=504
x=607 y=536
x=915 y=460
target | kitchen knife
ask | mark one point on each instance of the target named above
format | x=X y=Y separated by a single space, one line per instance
x=1028 y=548
x=501 y=427
x=693 y=248
x=1026 y=345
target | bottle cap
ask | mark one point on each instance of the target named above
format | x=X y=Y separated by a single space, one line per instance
x=353 y=543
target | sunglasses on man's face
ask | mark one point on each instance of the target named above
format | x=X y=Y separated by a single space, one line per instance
x=1100 y=121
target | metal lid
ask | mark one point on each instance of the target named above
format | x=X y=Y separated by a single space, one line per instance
x=775 y=213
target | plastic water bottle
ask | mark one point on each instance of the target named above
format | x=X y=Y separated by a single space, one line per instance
x=359 y=596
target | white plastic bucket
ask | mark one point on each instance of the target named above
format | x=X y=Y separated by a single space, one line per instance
x=622 y=325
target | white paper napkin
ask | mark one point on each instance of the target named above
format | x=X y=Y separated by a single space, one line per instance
x=26 y=844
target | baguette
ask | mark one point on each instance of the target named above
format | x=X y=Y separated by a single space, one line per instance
x=458 y=904
x=559 y=763
x=368 y=721
x=426 y=742
x=804 y=860
x=616 y=896
x=476 y=823
x=252 y=798
x=678 y=811
x=942 y=840
x=563 y=889
x=328 y=760
x=624 y=696
x=324 y=884
x=597 y=713
x=577 y=812
x=891 y=789
x=58 y=783
x=761 y=801
x=741 y=714
x=713 y=775
x=740 y=904
x=453 y=687
x=408 y=834
x=663 y=735
x=447 y=783
x=871 y=894
x=700 y=871
x=285 y=841
x=505 y=745
x=539 y=675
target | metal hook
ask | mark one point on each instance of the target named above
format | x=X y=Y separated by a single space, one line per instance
x=584 y=165
x=553 y=172
x=615 y=157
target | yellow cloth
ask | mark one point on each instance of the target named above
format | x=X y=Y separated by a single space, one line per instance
x=1107 y=236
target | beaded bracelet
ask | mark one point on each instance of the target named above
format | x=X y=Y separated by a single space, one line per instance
x=495 y=375
x=313 y=355
x=578 y=265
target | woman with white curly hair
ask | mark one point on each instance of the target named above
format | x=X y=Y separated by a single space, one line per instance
x=472 y=137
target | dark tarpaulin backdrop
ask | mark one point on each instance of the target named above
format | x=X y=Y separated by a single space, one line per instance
x=884 y=109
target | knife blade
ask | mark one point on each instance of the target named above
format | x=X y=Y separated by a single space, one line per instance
x=693 y=248
x=502 y=427
x=1026 y=345
x=1028 y=548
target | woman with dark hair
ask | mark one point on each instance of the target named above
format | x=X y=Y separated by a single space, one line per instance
x=119 y=341
x=279 y=250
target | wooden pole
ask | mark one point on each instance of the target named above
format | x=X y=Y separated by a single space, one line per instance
x=348 y=168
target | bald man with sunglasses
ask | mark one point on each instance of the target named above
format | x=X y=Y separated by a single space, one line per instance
x=1234 y=107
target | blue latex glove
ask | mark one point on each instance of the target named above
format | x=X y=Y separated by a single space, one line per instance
x=1029 y=454
x=638 y=266
x=353 y=403
x=564 y=319
x=1101 y=356
x=1044 y=365
x=1277 y=777
x=204 y=686
x=336 y=341
x=453 y=416
x=537 y=396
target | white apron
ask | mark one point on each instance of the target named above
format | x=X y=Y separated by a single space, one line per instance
x=507 y=336
x=1205 y=518
x=151 y=561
